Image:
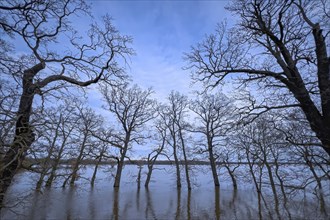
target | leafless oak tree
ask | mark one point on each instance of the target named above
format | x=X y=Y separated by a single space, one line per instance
x=160 y=137
x=40 y=28
x=279 y=46
x=87 y=121
x=175 y=119
x=133 y=108
x=214 y=116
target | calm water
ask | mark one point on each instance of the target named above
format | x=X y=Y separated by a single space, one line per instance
x=161 y=201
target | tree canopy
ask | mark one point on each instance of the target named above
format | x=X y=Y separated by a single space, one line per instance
x=277 y=45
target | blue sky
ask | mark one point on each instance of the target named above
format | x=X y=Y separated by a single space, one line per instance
x=162 y=31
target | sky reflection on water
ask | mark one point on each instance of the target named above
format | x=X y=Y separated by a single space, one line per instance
x=161 y=201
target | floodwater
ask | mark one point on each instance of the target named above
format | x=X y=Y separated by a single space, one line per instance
x=161 y=201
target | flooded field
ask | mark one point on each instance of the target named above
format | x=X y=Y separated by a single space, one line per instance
x=161 y=201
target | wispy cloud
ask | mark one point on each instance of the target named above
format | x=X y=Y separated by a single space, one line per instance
x=162 y=32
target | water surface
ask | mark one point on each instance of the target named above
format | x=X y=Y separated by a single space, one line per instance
x=162 y=200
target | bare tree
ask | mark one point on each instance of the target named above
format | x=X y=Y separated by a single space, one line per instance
x=171 y=140
x=161 y=136
x=248 y=143
x=214 y=117
x=279 y=46
x=50 y=132
x=230 y=158
x=133 y=108
x=99 y=152
x=266 y=152
x=310 y=158
x=175 y=115
x=315 y=159
x=64 y=118
x=87 y=121
x=42 y=27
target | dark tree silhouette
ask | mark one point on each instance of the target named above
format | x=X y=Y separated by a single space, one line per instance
x=160 y=137
x=175 y=119
x=38 y=28
x=214 y=119
x=133 y=108
x=279 y=46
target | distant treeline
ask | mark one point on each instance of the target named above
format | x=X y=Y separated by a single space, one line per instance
x=29 y=162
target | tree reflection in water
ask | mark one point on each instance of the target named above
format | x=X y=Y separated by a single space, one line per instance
x=161 y=201
x=178 y=204
x=149 y=210
x=115 y=207
x=217 y=202
x=91 y=204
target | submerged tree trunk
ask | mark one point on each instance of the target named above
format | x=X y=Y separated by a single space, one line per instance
x=51 y=177
x=138 y=179
x=319 y=191
x=213 y=166
x=44 y=170
x=282 y=187
x=120 y=163
x=78 y=161
x=56 y=163
x=40 y=181
x=251 y=165
x=273 y=187
x=152 y=160
x=150 y=169
x=185 y=160
x=96 y=167
x=232 y=176
x=45 y=164
x=177 y=169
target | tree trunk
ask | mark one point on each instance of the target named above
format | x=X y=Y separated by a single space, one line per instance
x=24 y=135
x=56 y=162
x=94 y=174
x=40 y=181
x=213 y=167
x=139 y=176
x=319 y=184
x=150 y=169
x=232 y=176
x=77 y=163
x=272 y=184
x=151 y=162
x=46 y=165
x=177 y=166
x=50 y=178
x=54 y=168
x=66 y=180
x=253 y=174
x=95 y=169
x=120 y=166
x=13 y=158
x=185 y=161
x=52 y=172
